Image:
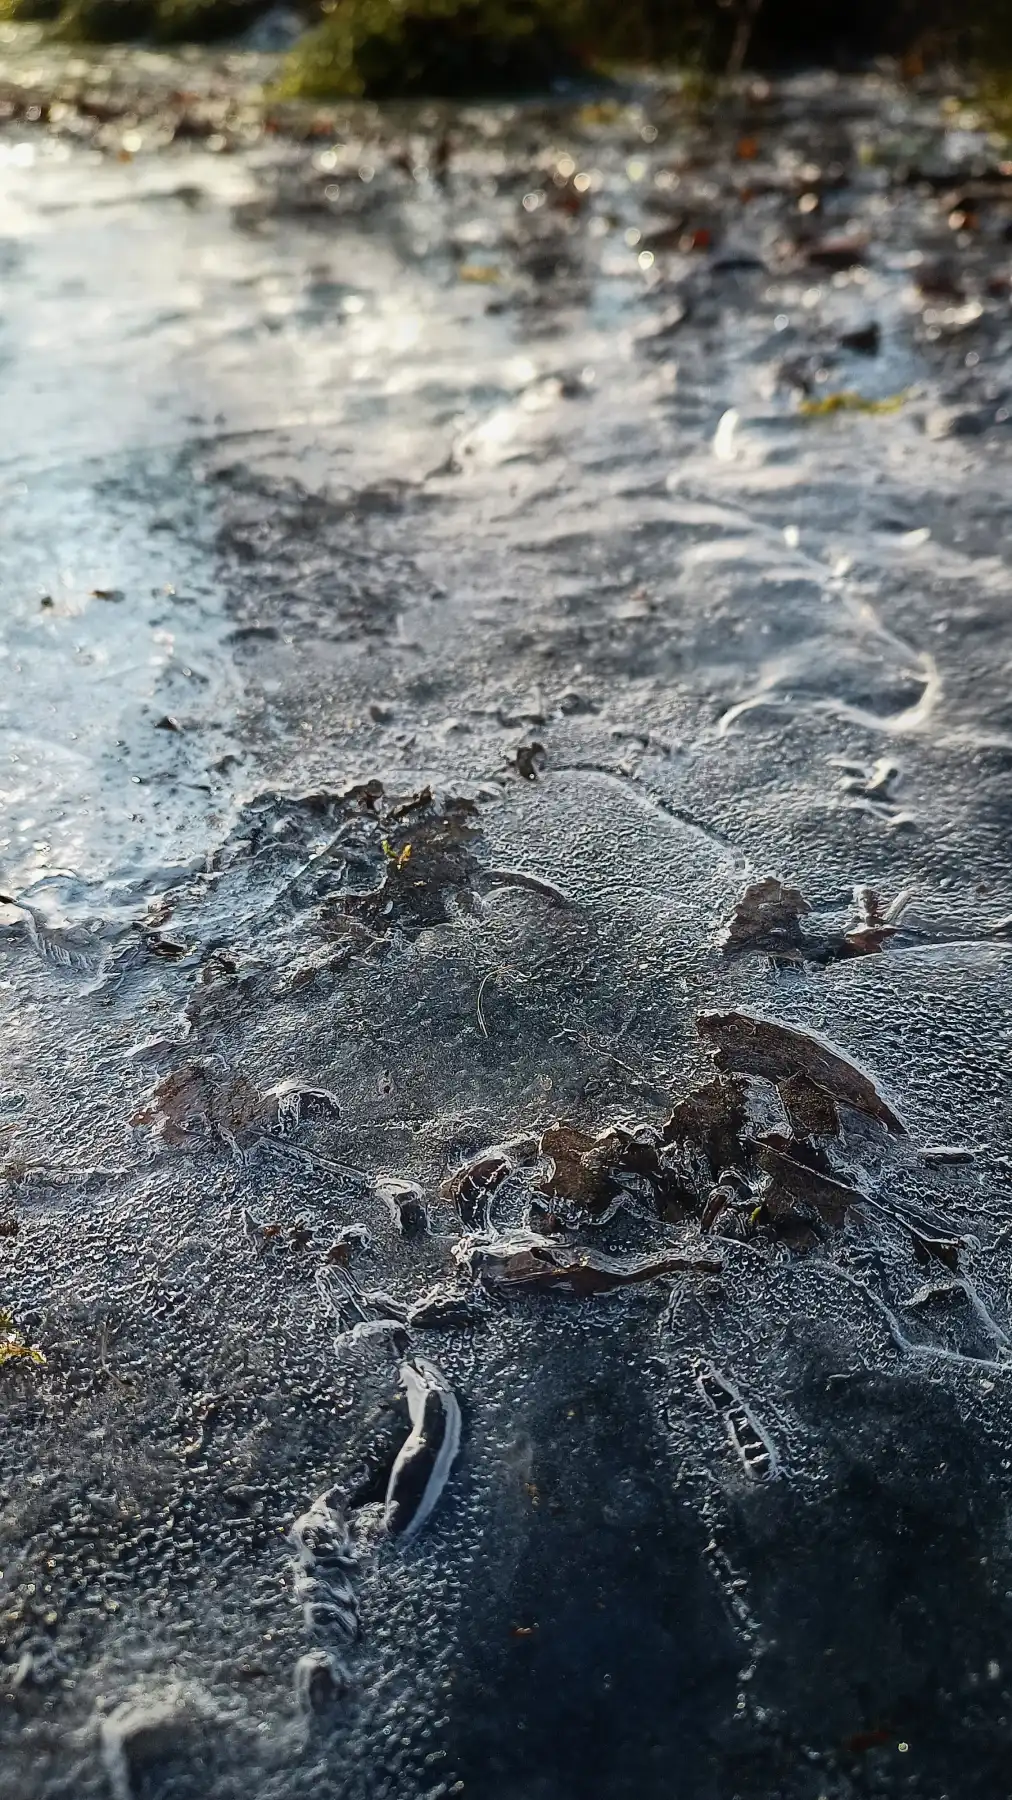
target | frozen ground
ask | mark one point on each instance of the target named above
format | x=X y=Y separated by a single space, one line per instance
x=496 y=454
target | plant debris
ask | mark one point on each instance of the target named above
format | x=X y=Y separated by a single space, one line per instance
x=13 y=1347
x=405 y=1203
x=263 y=1235
x=708 y=1128
x=929 y=1249
x=528 y=1263
x=747 y=1044
x=180 y=1107
x=848 y=401
x=811 y=1112
x=445 y=1307
x=714 y=1160
x=767 y=917
x=430 y=864
x=194 y=1104
x=530 y=761
x=472 y=1187
x=800 y=1184
x=577 y=1166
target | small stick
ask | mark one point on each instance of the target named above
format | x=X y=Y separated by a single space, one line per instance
x=310 y=1160
x=747 y=16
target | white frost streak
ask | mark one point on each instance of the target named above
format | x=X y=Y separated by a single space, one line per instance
x=422 y=1380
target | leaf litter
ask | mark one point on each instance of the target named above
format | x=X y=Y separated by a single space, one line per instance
x=768 y=918
x=359 y=867
x=711 y=1173
x=711 y=1170
x=543 y=1216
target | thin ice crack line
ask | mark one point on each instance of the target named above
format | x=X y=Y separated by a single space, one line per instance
x=643 y=792
x=928 y=1352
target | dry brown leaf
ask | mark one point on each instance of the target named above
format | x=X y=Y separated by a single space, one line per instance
x=747 y=1044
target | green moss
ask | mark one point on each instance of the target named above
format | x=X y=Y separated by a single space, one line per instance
x=405 y=47
x=30 y=12
x=124 y=21
x=986 y=42
x=181 y=21
x=106 y=21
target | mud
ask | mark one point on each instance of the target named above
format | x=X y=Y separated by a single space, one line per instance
x=435 y=595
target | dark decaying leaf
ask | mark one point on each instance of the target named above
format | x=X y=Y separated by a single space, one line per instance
x=574 y=1171
x=711 y=1158
x=712 y=1119
x=165 y=948
x=345 y=1240
x=864 y=340
x=180 y=1107
x=798 y=1187
x=193 y=1104
x=872 y=927
x=811 y=1112
x=405 y=1203
x=747 y=1044
x=724 y=1199
x=239 y=1115
x=362 y=796
x=767 y=917
x=836 y=254
x=414 y=805
x=446 y=1307
x=430 y=858
x=525 y=1264
x=867 y=940
x=318 y=968
x=370 y=861
x=471 y=1188
x=273 y=1235
x=594 y=1172
x=574 y=1168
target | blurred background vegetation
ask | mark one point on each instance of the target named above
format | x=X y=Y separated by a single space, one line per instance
x=469 y=47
